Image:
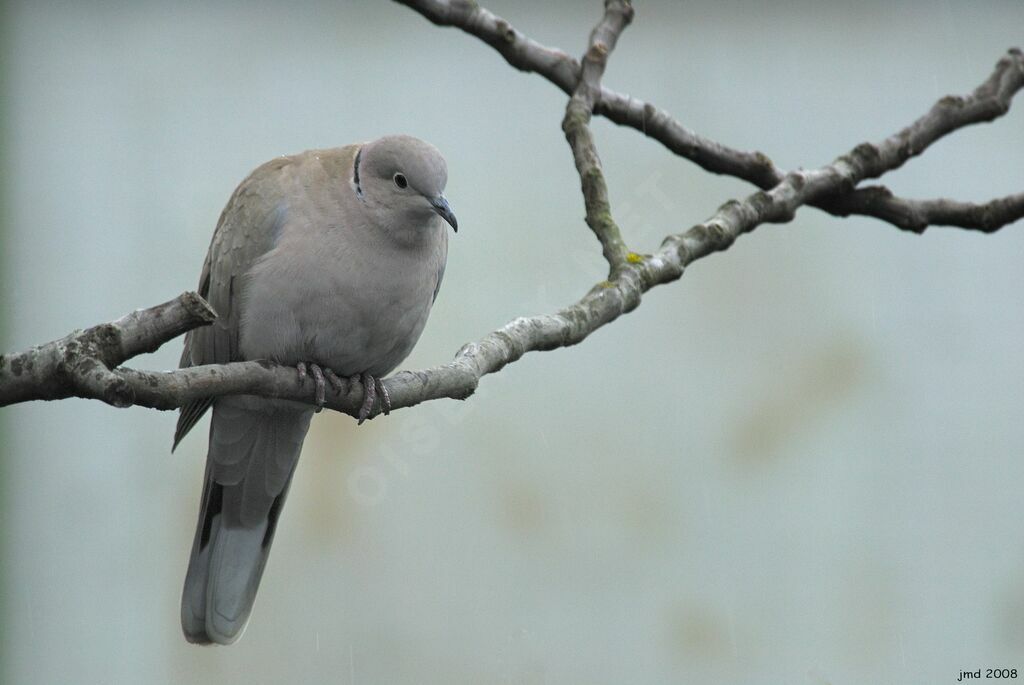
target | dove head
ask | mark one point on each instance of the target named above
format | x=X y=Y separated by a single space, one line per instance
x=403 y=178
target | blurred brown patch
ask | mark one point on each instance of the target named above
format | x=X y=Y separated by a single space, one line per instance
x=524 y=510
x=798 y=398
x=648 y=516
x=320 y=489
x=696 y=633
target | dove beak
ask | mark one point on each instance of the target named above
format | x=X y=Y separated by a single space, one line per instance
x=444 y=210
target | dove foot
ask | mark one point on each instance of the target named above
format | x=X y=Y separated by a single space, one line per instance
x=319 y=375
x=372 y=387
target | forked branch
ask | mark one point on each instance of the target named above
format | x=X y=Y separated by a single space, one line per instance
x=89 y=363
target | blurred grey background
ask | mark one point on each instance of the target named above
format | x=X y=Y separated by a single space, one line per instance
x=802 y=463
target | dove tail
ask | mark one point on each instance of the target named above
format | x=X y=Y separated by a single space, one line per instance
x=251 y=460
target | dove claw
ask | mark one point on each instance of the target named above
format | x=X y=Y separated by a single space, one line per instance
x=320 y=389
x=369 y=396
x=336 y=382
x=318 y=376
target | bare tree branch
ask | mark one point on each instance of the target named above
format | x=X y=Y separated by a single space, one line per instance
x=87 y=363
x=80 y=364
x=917 y=215
x=576 y=125
x=563 y=71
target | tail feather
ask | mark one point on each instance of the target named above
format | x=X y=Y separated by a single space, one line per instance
x=254 y=448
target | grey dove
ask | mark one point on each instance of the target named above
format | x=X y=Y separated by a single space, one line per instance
x=329 y=261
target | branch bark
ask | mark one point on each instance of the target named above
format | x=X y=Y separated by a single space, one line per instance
x=83 y=363
x=88 y=363
x=563 y=71
x=576 y=126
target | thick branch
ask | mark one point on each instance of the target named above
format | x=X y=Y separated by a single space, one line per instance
x=564 y=72
x=80 y=364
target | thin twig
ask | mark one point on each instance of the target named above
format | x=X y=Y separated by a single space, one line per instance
x=576 y=125
x=917 y=215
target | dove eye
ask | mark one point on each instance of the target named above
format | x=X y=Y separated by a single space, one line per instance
x=401 y=181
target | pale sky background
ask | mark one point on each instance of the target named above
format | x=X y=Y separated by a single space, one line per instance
x=802 y=463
